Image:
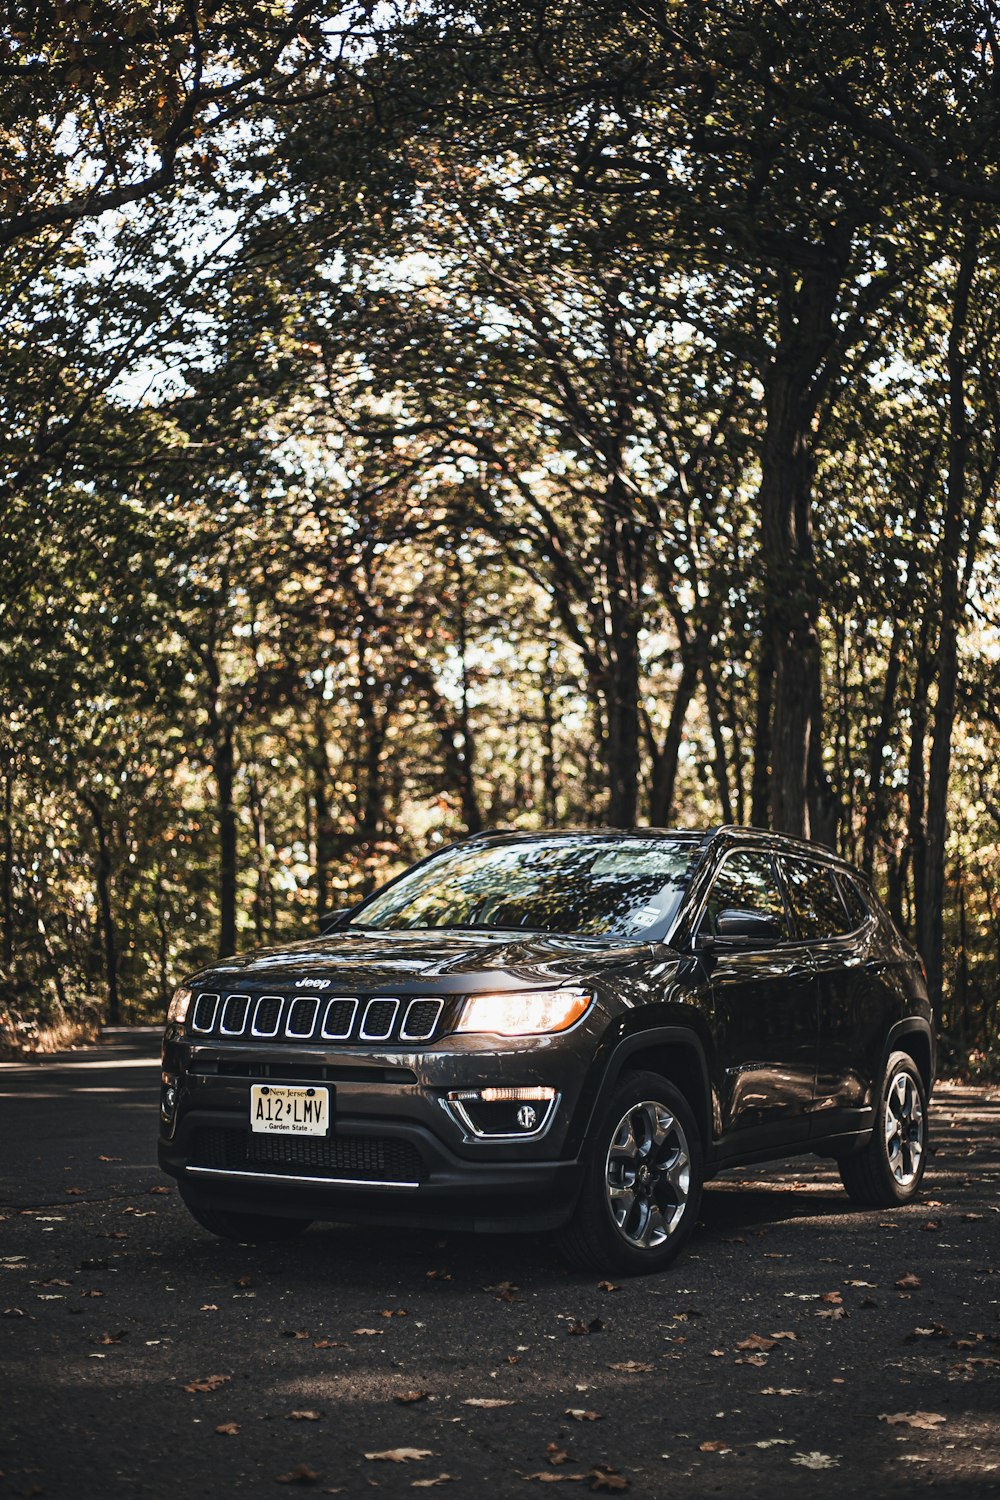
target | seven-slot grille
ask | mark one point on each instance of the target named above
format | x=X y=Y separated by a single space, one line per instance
x=317 y=1018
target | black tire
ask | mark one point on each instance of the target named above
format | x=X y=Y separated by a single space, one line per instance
x=246 y=1228
x=888 y=1171
x=643 y=1174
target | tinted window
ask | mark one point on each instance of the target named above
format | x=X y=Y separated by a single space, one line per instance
x=815 y=899
x=747 y=881
x=591 y=884
x=857 y=907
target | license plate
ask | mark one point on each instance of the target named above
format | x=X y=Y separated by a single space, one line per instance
x=280 y=1110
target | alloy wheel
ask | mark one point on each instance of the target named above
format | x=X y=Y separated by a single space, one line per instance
x=648 y=1174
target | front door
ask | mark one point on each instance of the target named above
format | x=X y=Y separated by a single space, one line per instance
x=766 y=1020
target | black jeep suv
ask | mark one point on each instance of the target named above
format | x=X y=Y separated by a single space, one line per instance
x=564 y=1031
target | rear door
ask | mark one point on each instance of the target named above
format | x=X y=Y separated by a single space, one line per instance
x=765 y=1006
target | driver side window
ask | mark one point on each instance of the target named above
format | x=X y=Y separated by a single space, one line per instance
x=747 y=881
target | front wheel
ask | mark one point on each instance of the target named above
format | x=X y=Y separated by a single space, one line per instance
x=246 y=1228
x=642 y=1181
x=887 y=1172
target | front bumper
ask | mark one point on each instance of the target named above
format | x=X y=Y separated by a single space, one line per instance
x=395 y=1154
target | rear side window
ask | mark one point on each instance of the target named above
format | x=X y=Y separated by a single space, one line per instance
x=815 y=899
x=857 y=907
x=748 y=882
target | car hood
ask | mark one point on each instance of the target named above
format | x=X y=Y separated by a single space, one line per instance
x=450 y=959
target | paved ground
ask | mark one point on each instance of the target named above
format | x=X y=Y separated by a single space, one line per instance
x=767 y=1361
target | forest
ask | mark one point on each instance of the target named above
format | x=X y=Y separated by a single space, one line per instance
x=426 y=417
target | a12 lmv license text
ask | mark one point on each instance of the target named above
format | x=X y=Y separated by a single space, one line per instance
x=282 y=1110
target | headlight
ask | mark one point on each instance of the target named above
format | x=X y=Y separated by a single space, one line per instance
x=524 y=1012
x=179 y=1006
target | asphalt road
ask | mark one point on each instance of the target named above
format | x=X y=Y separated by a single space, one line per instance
x=766 y=1362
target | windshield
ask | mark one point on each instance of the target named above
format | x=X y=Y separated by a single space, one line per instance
x=592 y=884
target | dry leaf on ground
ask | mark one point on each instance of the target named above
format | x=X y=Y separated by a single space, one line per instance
x=607 y=1479
x=406 y=1398
x=579 y=1415
x=909 y=1282
x=228 y=1429
x=633 y=1367
x=400 y=1455
x=814 y=1461
x=487 y=1401
x=428 y=1484
x=303 y=1416
x=927 y=1420
x=208 y=1383
x=715 y=1445
x=756 y=1341
x=301 y=1474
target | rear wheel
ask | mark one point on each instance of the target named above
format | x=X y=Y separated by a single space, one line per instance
x=889 y=1169
x=242 y=1227
x=642 y=1181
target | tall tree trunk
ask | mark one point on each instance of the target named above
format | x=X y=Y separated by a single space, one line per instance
x=950 y=611
x=224 y=767
x=807 y=332
x=7 y=877
x=622 y=678
x=549 y=802
x=106 y=917
x=471 y=815
x=666 y=758
x=875 y=813
x=720 y=763
x=326 y=840
x=760 y=784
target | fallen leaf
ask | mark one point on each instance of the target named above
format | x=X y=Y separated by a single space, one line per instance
x=94 y=1293
x=113 y=1338
x=932 y=1224
x=558 y=1455
x=633 y=1367
x=759 y=1360
x=209 y=1307
x=784 y=1336
x=577 y=1325
x=909 y=1282
x=369 y=1333
x=428 y=1484
x=714 y=1445
x=927 y=1420
x=109 y=1158
x=546 y=1476
x=487 y=1401
x=330 y=1344
x=400 y=1455
x=833 y=1297
x=74 y=1192
x=439 y=1276
x=228 y=1429
x=208 y=1383
x=607 y=1479
x=782 y=1390
x=503 y=1291
x=579 y=1415
x=831 y=1312
x=406 y=1398
x=303 y=1416
x=971 y=1218
x=814 y=1461
x=756 y=1341
x=608 y=1286
x=301 y=1474
x=296 y=1333
x=159 y=1190
x=395 y=1312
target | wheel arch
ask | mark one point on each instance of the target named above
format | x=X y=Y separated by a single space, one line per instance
x=673 y=1051
x=914 y=1037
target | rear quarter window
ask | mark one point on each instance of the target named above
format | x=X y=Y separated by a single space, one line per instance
x=815 y=899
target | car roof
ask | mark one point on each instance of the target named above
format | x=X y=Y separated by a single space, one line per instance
x=726 y=834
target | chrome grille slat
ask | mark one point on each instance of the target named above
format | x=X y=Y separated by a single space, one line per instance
x=317 y=1019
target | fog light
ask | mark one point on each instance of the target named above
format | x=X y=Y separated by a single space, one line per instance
x=168 y=1097
x=503 y=1113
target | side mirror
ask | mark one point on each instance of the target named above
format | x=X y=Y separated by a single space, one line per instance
x=331 y=920
x=746 y=928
